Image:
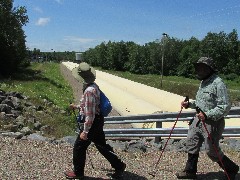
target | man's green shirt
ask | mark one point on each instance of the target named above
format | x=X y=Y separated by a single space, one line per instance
x=212 y=98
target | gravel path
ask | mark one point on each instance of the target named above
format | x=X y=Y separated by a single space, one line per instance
x=28 y=159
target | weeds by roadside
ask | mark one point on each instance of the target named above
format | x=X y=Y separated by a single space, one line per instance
x=43 y=82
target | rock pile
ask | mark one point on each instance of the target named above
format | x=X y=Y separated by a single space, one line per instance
x=17 y=115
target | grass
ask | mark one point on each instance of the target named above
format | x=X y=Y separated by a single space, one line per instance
x=41 y=82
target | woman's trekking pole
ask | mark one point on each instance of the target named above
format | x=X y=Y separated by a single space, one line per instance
x=76 y=120
x=96 y=144
x=210 y=137
x=80 y=131
x=153 y=173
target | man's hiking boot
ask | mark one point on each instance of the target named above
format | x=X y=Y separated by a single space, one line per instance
x=231 y=167
x=72 y=175
x=190 y=169
x=186 y=175
x=118 y=174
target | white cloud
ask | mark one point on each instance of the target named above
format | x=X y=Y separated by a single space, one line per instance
x=59 y=1
x=68 y=43
x=42 y=21
x=78 y=39
x=38 y=9
x=74 y=43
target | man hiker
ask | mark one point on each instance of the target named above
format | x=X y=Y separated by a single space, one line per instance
x=92 y=130
x=212 y=103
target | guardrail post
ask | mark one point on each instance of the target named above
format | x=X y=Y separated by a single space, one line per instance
x=158 y=138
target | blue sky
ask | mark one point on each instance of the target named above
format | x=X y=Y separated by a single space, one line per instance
x=77 y=25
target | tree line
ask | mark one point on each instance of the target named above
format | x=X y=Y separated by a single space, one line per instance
x=177 y=55
x=36 y=55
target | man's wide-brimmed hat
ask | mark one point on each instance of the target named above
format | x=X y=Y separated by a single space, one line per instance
x=84 y=72
x=207 y=61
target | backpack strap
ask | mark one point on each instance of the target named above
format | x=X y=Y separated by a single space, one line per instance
x=85 y=86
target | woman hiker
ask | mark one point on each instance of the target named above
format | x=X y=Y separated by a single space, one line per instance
x=92 y=130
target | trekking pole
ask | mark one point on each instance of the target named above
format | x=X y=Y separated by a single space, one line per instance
x=76 y=120
x=80 y=131
x=96 y=144
x=210 y=137
x=153 y=173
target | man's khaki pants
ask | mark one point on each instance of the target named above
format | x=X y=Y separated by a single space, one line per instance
x=197 y=134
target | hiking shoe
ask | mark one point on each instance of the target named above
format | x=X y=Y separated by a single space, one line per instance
x=186 y=175
x=232 y=175
x=72 y=175
x=118 y=174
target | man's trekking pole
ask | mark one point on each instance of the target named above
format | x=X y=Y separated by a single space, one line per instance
x=153 y=173
x=210 y=137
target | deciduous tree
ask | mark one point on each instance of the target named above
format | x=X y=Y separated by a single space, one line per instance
x=12 y=38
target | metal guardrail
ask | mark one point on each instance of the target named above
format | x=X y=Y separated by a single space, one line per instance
x=159 y=132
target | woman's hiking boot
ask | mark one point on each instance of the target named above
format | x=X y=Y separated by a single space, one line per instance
x=190 y=169
x=118 y=174
x=73 y=175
